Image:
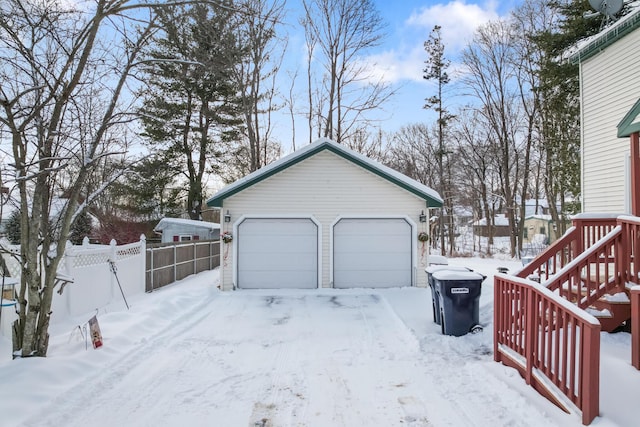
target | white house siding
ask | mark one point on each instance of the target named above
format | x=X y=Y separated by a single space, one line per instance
x=325 y=187
x=610 y=86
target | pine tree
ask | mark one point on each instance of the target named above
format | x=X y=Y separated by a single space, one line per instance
x=150 y=191
x=436 y=69
x=12 y=229
x=559 y=98
x=80 y=228
x=191 y=108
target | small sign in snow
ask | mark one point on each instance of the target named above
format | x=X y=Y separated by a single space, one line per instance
x=459 y=290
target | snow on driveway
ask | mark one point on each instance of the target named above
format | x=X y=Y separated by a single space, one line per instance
x=191 y=355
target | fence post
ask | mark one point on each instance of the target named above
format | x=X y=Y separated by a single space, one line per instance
x=112 y=257
x=175 y=263
x=195 y=253
x=143 y=261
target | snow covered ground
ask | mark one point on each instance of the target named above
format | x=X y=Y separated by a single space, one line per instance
x=191 y=355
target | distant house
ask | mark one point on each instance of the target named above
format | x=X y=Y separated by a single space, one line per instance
x=540 y=229
x=178 y=230
x=610 y=87
x=500 y=227
x=325 y=216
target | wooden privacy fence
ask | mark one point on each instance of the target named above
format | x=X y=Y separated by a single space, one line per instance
x=554 y=345
x=169 y=262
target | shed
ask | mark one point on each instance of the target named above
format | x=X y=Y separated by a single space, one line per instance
x=324 y=216
x=179 y=229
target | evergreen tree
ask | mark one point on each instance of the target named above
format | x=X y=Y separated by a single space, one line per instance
x=436 y=70
x=191 y=108
x=559 y=99
x=149 y=192
x=80 y=228
x=12 y=229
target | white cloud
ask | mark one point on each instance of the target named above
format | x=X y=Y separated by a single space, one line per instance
x=458 y=20
x=392 y=66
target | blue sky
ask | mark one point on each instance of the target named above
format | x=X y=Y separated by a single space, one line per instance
x=400 y=59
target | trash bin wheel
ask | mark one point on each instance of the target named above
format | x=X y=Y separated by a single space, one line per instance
x=476 y=329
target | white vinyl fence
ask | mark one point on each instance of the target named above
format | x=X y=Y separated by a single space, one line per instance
x=94 y=283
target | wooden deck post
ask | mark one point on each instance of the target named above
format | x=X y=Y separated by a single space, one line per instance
x=591 y=380
x=635 y=327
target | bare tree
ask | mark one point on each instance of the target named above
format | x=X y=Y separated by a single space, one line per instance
x=491 y=79
x=338 y=33
x=529 y=20
x=61 y=102
x=256 y=73
x=476 y=164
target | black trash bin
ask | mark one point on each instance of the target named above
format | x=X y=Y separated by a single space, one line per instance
x=435 y=301
x=459 y=297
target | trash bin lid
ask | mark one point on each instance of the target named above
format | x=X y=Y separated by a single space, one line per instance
x=444 y=275
x=437 y=260
x=8 y=302
x=434 y=268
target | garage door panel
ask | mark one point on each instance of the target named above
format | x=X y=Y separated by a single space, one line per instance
x=277 y=253
x=374 y=262
x=388 y=279
x=273 y=280
x=372 y=252
x=273 y=261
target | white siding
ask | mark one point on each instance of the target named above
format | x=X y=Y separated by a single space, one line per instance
x=325 y=187
x=610 y=86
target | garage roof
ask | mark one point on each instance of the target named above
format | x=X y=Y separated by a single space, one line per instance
x=431 y=196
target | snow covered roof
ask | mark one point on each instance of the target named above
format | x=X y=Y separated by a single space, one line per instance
x=499 y=220
x=431 y=196
x=166 y=222
x=590 y=46
x=541 y=217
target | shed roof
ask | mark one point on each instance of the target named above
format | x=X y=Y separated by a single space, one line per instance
x=431 y=196
x=166 y=222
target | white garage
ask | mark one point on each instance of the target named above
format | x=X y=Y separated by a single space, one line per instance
x=372 y=253
x=277 y=253
x=324 y=216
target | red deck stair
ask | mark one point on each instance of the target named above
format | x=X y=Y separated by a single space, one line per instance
x=547 y=330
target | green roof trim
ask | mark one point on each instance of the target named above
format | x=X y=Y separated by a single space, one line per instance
x=431 y=197
x=606 y=39
x=631 y=122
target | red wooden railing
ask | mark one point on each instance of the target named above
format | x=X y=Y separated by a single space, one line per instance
x=548 y=340
x=541 y=333
x=591 y=274
x=586 y=231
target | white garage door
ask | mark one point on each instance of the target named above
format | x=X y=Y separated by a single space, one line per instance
x=277 y=253
x=372 y=253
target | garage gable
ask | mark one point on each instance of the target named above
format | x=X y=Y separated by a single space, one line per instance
x=431 y=197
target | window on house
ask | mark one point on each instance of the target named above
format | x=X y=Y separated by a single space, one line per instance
x=542 y=230
x=185 y=237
